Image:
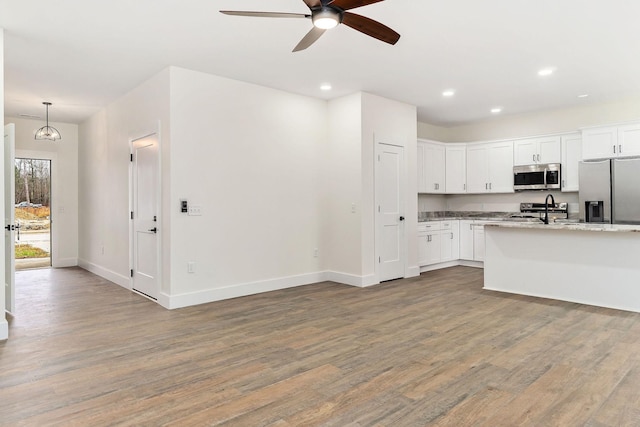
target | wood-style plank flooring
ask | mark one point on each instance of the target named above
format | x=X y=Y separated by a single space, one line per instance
x=434 y=350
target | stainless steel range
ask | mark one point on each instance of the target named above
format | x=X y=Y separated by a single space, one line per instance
x=537 y=210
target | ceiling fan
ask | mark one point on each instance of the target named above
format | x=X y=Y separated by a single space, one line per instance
x=327 y=14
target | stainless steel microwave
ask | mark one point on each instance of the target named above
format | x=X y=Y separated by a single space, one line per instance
x=537 y=177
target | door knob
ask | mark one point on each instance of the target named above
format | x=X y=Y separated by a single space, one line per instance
x=401 y=218
x=154 y=230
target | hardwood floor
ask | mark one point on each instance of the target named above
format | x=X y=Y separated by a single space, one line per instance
x=434 y=350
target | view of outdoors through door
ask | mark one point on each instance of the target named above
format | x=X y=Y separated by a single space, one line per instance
x=32 y=213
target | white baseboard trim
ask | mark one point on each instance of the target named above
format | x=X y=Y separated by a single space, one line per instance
x=239 y=290
x=64 y=262
x=476 y=264
x=466 y=263
x=4 y=329
x=413 y=271
x=351 y=279
x=105 y=273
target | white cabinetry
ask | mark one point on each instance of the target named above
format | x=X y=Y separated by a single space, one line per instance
x=449 y=241
x=431 y=167
x=466 y=240
x=429 y=242
x=490 y=167
x=456 y=168
x=571 y=156
x=478 y=242
x=438 y=242
x=537 y=150
x=611 y=141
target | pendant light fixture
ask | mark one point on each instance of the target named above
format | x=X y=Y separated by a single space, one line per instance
x=48 y=132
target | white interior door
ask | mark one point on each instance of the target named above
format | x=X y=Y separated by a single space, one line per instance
x=9 y=217
x=390 y=211
x=145 y=215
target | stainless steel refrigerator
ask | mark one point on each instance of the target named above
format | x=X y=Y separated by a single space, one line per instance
x=610 y=191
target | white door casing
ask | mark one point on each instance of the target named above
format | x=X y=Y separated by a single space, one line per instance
x=145 y=218
x=9 y=218
x=390 y=211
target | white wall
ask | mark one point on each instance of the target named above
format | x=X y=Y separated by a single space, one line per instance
x=4 y=326
x=539 y=123
x=251 y=157
x=343 y=178
x=103 y=191
x=64 y=182
x=385 y=120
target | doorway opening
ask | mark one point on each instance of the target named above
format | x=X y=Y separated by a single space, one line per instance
x=32 y=213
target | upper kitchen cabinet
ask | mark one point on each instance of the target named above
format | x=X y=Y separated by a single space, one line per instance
x=571 y=156
x=431 y=167
x=611 y=141
x=490 y=167
x=532 y=151
x=456 y=168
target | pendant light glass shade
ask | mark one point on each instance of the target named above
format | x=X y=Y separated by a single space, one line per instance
x=48 y=132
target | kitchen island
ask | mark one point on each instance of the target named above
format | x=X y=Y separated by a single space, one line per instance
x=595 y=264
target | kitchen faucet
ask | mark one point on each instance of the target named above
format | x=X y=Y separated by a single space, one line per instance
x=546 y=207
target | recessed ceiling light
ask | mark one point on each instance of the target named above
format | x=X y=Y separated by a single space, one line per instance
x=448 y=93
x=496 y=110
x=28 y=116
x=584 y=95
x=325 y=87
x=546 y=72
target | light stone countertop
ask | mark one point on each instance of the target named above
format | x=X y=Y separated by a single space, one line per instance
x=616 y=228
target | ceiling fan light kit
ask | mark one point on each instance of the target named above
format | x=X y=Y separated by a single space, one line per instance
x=47 y=132
x=327 y=14
x=326 y=18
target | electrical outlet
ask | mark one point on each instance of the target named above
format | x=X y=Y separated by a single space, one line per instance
x=195 y=210
x=315 y=253
x=353 y=208
x=191 y=267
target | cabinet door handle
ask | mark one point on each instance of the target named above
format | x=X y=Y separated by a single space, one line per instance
x=486 y=186
x=451 y=236
x=614 y=149
x=563 y=185
x=620 y=149
x=464 y=187
x=490 y=186
x=534 y=157
x=538 y=157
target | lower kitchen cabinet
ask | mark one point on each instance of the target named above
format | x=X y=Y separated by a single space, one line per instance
x=478 y=242
x=466 y=240
x=438 y=242
x=449 y=241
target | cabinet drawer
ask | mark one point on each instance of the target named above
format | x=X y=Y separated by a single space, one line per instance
x=429 y=226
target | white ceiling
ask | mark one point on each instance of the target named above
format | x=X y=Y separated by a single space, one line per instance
x=82 y=55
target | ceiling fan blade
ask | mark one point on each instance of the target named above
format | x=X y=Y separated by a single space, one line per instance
x=265 y=14
x=309 y=39
x=370 y=27
x=352 y=4
x=312 y=3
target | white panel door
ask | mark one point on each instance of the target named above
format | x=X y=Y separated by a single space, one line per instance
x=9 y=218
x=145 y=215
x=389 y=196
